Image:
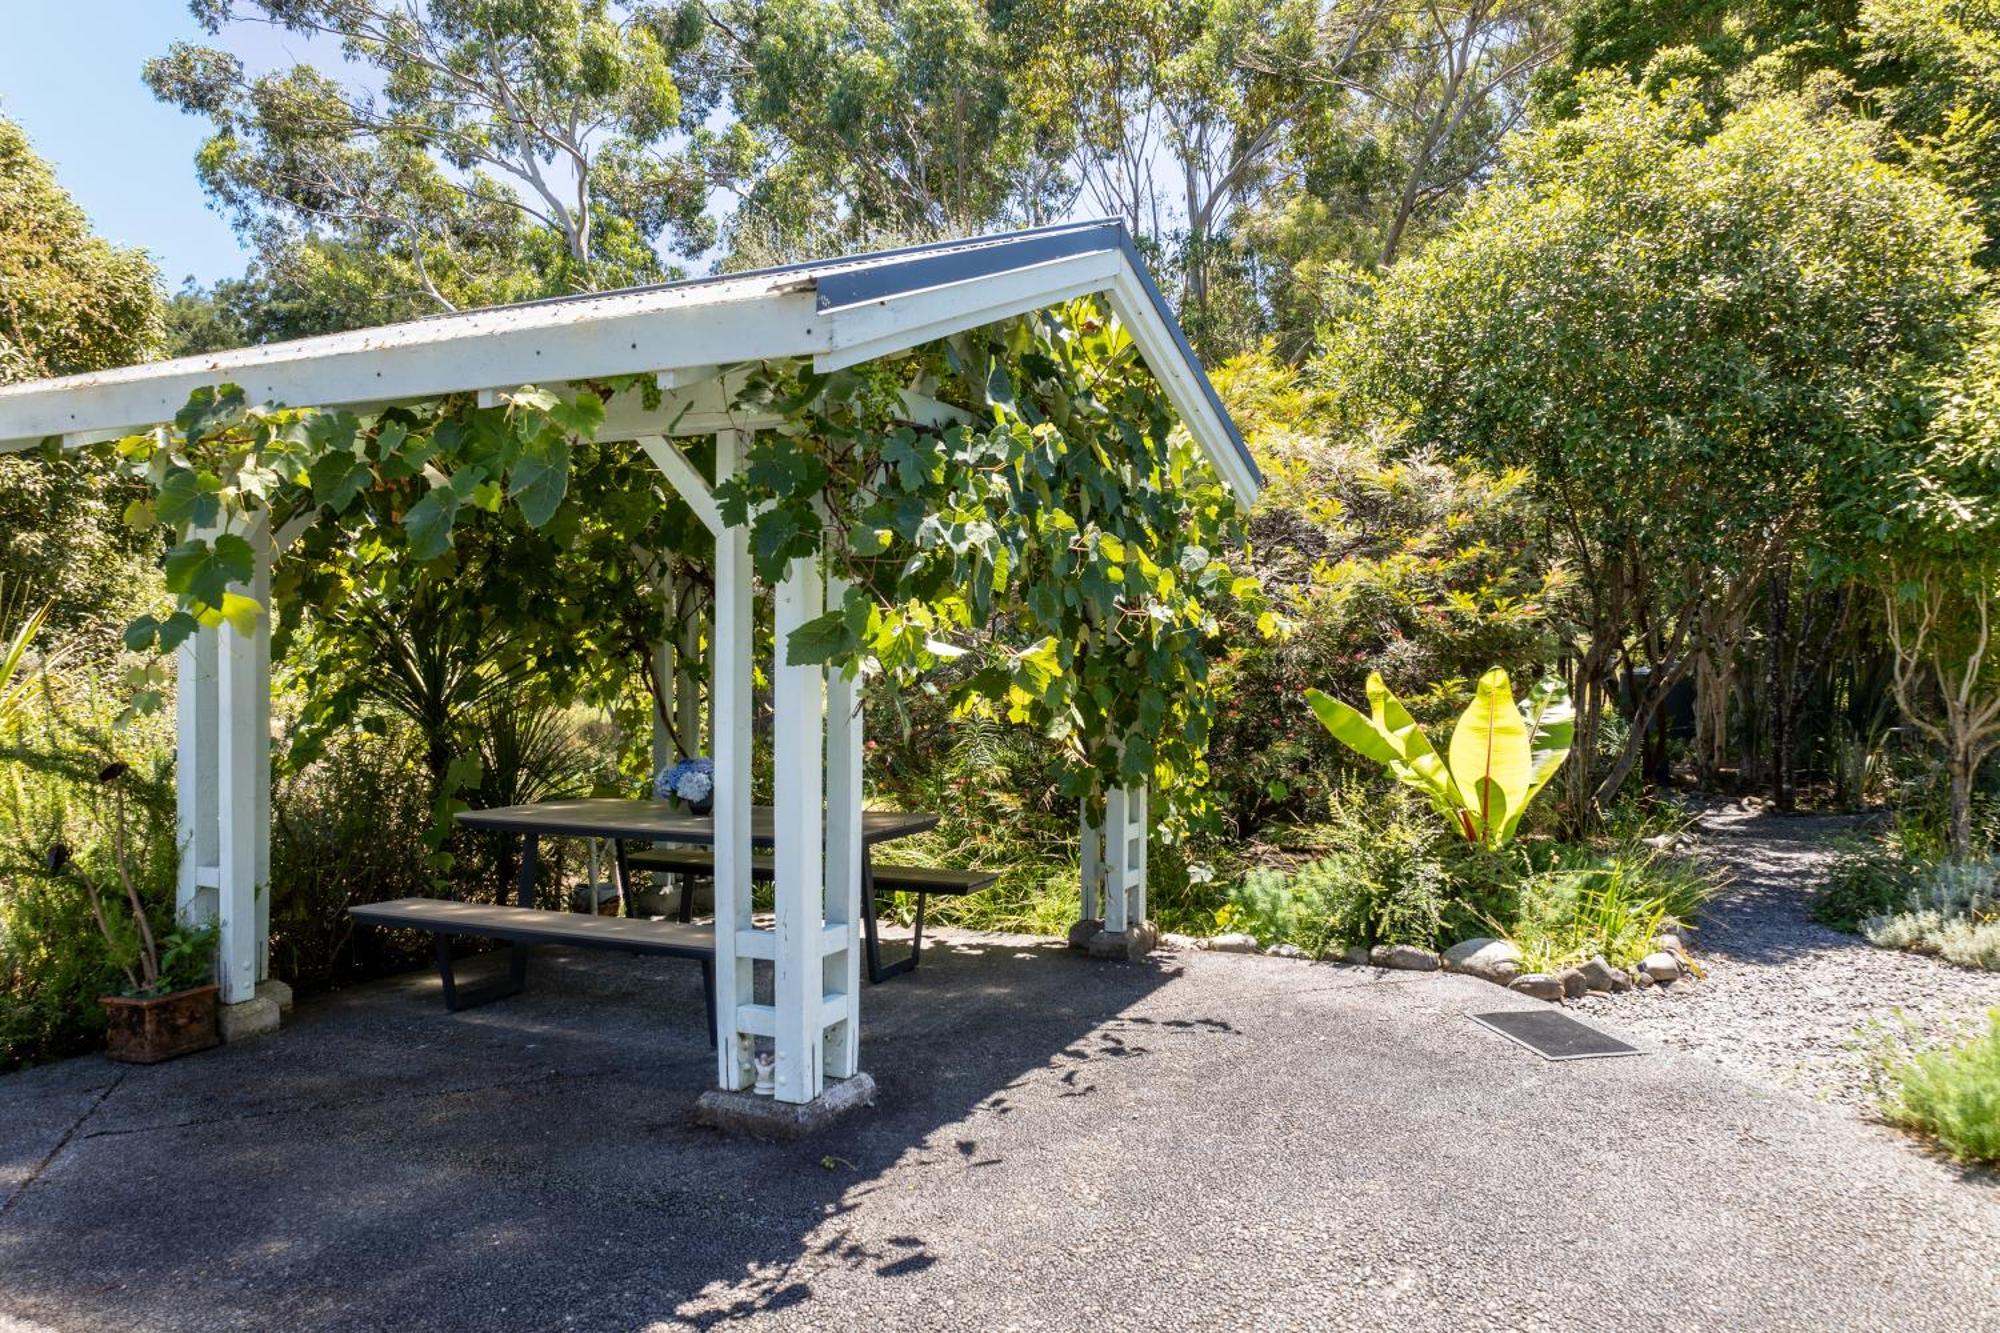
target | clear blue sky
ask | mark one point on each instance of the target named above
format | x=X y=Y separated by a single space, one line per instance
x=69 y=75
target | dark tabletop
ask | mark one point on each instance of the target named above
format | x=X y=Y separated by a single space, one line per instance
x=662 y=821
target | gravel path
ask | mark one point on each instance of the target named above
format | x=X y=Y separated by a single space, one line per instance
x=1785 y=998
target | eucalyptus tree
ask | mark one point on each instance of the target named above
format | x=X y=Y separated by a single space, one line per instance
x=1423 y=105
x=1452 y=84
x=858 y=121
x=1685 y=332
x=1180 y=110
x=485 y=149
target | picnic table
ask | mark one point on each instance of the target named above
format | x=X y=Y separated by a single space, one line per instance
x=682 y=843
x=622 y=820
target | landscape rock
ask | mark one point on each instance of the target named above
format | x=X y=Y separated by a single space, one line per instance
x=1138 y=939
x=277 y=992
x=1497 y=961
x=1538 y=986
x=1573 y=983
x=1172 y=940
x=1642 y=978
x=1600 y=975
x=1286 y=951
x=1668 y=942
x=1403 y=957
x=1355 y=954
x=1233 y=943
x=1661 y=966
x=1081 y=933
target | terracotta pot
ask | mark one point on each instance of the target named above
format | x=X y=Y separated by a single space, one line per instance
x=145 y=1031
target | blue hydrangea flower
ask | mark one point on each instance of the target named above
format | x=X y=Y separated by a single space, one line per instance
x=690 y=780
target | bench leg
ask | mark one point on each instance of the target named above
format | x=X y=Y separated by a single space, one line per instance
x=877 y=972
x=458 y=997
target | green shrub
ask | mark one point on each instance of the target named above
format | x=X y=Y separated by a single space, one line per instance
x=1604 y=902
x=1951 y=909
x=1870 y=880
x=1414 y=566
x=1951 y=1094
x=54 y=961
x=1954 y=939
x=1269 y=905
x=347 y=829
x=1384 y=870
x=1382 y=875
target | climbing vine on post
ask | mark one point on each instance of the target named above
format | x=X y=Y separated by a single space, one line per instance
x=1065 y=532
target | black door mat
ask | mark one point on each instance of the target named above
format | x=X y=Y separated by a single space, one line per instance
x=1553 y=1036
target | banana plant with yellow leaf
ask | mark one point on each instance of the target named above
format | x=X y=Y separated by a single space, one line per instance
x=1501 y=754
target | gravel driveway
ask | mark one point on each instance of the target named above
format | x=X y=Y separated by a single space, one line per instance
x=1785 y=999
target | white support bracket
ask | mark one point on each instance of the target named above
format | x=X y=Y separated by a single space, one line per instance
x=683 y=477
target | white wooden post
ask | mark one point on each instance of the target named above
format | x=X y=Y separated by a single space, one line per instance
x=1091 y=830
x=1117 y=847
x=237 y=767
x=1136 y=834
x=841 y=950
x=735 y=981
x=798 y=822
x=196 y=705
x=260 y=724
x=222 y=784
x=1124 y=837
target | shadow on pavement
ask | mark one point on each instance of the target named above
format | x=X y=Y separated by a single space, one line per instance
x=532 y=1163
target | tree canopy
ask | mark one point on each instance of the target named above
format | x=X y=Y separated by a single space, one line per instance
x=511 y=150
x=1687 y=335
x=69 y=300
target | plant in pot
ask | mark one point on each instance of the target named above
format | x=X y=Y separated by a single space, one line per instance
x=691 y=782
x=168 y=1007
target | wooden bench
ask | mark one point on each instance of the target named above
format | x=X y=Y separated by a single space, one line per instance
x=924 y=881
x=523 y=926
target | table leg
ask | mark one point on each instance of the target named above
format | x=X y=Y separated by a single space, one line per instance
x=531 y=850
x=624 y=876
x=524 y=896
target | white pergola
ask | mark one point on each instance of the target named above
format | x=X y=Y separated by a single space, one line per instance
x=838 y=313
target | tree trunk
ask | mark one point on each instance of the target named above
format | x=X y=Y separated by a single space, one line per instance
x=1964 y=768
